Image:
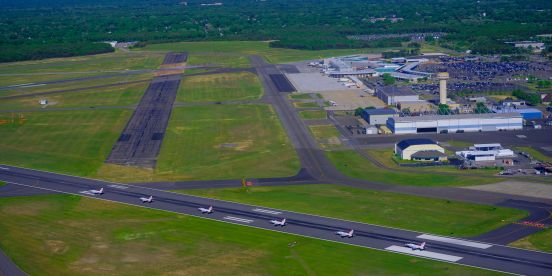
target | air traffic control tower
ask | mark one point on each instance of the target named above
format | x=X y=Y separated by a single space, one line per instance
x=443 y=77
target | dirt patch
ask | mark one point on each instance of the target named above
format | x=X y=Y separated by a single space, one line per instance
x=240 y=146
x=56 y=247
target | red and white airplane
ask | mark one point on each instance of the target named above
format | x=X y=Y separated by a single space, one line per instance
x=206 y=210
x=344 y=234
x=278 y=222
x=414 y=246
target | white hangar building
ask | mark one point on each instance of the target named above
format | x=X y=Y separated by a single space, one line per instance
x=455 y=123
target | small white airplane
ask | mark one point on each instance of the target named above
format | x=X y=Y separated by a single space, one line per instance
x=97 y=192
x=344 y=234
x=206 y=210
x=414 y=246
x=147 y=199
x=278 y=222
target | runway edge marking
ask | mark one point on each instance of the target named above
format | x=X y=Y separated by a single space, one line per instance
x=427 y=254
x=266 y=229
x=454 y=241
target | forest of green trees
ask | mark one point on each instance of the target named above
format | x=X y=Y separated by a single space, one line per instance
x=34 y=29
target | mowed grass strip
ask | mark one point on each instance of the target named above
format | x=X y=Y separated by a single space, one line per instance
x=354 y=165
x=306 y=104
x=273 y=55
x=220 y=87
x=305 y=96
x=108 y=96
x=326 y=135
x=74 y=236
x=539 y=241
x=313 y=114
x=429 y=215
x=224 y=60
x=74 y=142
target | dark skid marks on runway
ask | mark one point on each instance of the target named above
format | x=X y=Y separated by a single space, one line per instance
x=173 y=58
x=141 y=140
x=282 y=83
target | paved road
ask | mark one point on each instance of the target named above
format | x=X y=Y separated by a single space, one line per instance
x=465 y=252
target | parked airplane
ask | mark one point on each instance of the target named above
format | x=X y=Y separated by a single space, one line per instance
x=206 y=210
x=147 y=199
x=278 y=222
x=97 y=192
x=414 y=246
x=344 y=234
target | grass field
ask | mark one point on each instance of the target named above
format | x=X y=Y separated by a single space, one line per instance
x=220 y=87
x=95 y=63
x=306 y=104
x=224 y=60
x=218 y=142
x=2 y=183
x=313 y=114
x=75 y=236
x=76 y=85
x=326 y=135
x=354 y=165
x=273 y=55
x=304 y=96
x=540 y=241
x=395 y=210
x=75 y=142
x=108 y=96
x=535 y=153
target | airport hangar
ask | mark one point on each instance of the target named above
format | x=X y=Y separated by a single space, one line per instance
x=455 y=123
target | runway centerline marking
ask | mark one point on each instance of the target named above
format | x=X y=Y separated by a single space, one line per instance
x=455 y=241
x=424 y=253
x=266 y=211
x=238 y=219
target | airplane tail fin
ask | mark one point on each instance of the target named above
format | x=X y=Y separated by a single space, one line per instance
x=210 y=208
x=284 y=221
x=151 y=198
x=351 y=232
x=101 y=190
x=423 y=245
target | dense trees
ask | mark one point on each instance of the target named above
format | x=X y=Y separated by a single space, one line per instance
x=36 y=28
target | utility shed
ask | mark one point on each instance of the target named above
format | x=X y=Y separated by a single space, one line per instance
x=420 y=147
x=378 y=116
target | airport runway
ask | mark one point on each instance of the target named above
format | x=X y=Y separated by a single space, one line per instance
x=459 y=251
x=141 y=140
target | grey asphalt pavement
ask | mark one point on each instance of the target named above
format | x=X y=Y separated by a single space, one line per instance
x=472 y=253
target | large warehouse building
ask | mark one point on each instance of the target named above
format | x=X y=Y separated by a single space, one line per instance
x=392 y=95
x=455 y=123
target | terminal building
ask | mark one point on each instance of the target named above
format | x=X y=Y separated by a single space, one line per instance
x=455 y=123
x=392 y=95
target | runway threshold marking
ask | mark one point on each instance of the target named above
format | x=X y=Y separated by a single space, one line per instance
x=267 y=211
x=118 y=186
x=455 y=241
x=238 y=219
x=424 y=253
x=4 y=168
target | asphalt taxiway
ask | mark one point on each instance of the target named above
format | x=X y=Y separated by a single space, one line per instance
x=454 y=250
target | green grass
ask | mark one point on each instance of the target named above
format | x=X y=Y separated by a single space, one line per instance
x=70 y=66
x=395 y=210
x=220 y=87
x=273 y=55
x=76 y=85
x=539 y=241
x=535 y=154
x=2 y=183
x=354 y=165
x=306 y=104
x=313 y=114
x=74 y=236
x=326 y=135
x=305 y=96
x=218 y=142
x=109 y=96
x=74 y=142
x=224 y=60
